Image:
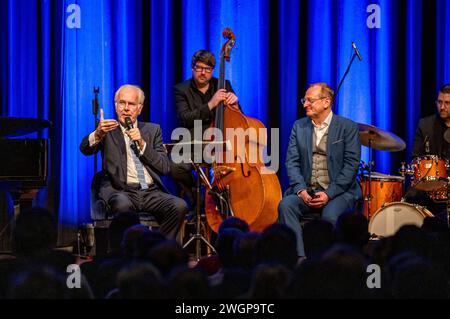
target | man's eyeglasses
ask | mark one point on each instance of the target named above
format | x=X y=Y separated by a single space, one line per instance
x=200 y=69
x=310 y=101
x=131 y=105
x=440 y=103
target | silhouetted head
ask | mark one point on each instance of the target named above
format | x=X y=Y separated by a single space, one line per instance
x=277 y=245
x=269 y=281
x=118 y=226
x=38 y=282
x=140 y=281
x=412 y=276
x=225 y=246
x=245 y=250
x=317 y=237
x=187 y=283
x=234 y=222
x=35 y=232
x=167 y=256
x=352 y=229
x=130 y=238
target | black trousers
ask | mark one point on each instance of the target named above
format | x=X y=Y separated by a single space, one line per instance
x=182 y=174
x=169 y=210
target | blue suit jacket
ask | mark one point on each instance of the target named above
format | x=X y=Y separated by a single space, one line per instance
x=114 y=157
x=343 y=157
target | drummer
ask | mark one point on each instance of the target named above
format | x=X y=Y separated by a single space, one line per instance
x=431 y=139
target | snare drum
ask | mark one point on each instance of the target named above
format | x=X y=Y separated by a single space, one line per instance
x=387 y=220
x=430 y=173
x=384 y=188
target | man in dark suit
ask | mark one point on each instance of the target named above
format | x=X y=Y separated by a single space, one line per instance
x=133 y=158
x=429 y=137
x=429 y=140
x=322 y=163
x=196 y=100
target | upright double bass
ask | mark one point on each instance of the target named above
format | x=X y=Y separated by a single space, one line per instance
x=242 y=185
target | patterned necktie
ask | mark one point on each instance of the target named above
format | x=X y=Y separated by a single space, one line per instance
x=139 y=167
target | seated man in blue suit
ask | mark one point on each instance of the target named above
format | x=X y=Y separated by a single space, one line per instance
x=322 y=163
x=133 y=158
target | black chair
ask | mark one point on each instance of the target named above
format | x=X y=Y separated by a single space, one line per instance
x=100 y=212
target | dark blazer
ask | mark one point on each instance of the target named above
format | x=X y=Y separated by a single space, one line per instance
x=192 y=105
x=433 y=128
x=343 y=157
x=114 y=157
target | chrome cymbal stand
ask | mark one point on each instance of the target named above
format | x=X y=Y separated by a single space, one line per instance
x=448 y=192
x=369 y=196
x=448 y=204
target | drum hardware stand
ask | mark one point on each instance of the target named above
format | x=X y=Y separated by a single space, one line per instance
x=369 y=196
x=198 y=237
x=447 y=165
x=95 y=108
x=448 y=203
x=405 y=170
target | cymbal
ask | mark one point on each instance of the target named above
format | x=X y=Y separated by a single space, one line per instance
x=17 y=126
x=379 y=139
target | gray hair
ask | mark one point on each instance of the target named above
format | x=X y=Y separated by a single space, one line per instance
x=141 y=93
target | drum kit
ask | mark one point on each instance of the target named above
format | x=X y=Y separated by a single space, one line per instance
x=384 y=204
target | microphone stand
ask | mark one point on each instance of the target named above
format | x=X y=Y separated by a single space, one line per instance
x=369 y=199
x=95 y=107
x=345 y=74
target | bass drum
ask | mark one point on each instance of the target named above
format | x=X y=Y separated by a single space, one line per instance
x=388 y=219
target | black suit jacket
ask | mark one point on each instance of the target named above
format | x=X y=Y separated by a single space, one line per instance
x=433 y=128
x=193 y=105
x=114 y=157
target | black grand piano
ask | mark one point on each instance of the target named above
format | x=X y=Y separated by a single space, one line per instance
x=23 y=161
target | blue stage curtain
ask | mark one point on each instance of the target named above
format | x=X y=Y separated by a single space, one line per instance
x=55 y=52
x=286 y=75
x=104 y=50
x=413 y=74
x=442 y=24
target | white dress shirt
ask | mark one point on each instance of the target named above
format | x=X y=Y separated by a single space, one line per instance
x=320 y=130
x=132 y=177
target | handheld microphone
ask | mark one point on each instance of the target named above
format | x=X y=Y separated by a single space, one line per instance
x=95 y=104
x=356 y=51
x=310 y=192
x=129 y=125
